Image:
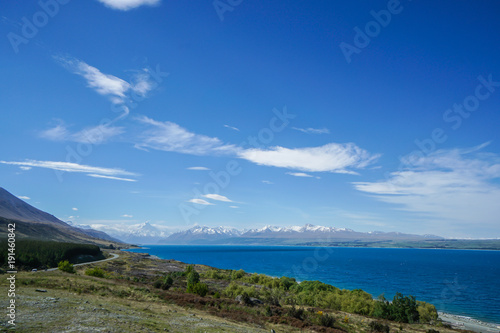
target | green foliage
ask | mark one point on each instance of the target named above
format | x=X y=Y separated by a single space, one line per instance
x=404 y=309
x=430 y=330
x=427 y=312
x=65 y=266
x=236 y=275
x=189 y=269
x=234 y=289
x=193 y=278
x=214 y=274
x=217 y=294
x=326 y=320
x=296 y=313
x=376 y=326
x=39 y=254
x=166 y=282
x=193 y=283
x=199 y=289
x=97 y=272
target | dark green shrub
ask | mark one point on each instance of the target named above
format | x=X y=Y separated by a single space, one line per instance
x=167 y=282
x=378 y=327
x=327 y=320
x=200 y=289
x=296 y=312
x=430 y=330
x=404 y=309
x=192 y=279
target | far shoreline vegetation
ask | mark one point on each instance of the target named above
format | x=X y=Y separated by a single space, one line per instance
x=445 y=244
x=233 y=294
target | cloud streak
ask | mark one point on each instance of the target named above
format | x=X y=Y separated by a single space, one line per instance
x=198 y=168
x=449 y=185
x=217 y=197
x=200 y=202
x=113 y=87
x=97 y=172
x=93 y=135
x=168 y=136
x=312 y=130
x=125 y=5
x=332 y=157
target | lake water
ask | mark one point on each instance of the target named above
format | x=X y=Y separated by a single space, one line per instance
x=460 y=282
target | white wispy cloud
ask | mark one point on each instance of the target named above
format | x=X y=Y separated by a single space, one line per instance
x=299 y=174
x=56 y=133
x=93 y=135
x=115 y=88
x=169 y=136
x=233 y=128
x=217 y=197
x=97 y=134
x=200 y=202
x=234 y=207
x=92 y=171
x=25 y=168
x=449 y=185
x=200 y=168
x=332 y=157
x=23 y=197
x=74 y=208
x=111 y=177
x=310 y=130
x=128 y=4
x=267 y=182
x=127 y=216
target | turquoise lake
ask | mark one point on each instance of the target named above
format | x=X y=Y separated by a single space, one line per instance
x=460 y=282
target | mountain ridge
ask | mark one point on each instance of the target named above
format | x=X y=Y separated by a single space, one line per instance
x=33 y=223
x=285 y=235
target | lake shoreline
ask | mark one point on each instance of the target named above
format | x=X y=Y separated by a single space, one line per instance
x=469 y=323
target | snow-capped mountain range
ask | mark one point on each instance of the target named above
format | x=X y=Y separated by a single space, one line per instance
x=142 y=233
x=203 y=233
x=283 y=235
x=147 y=233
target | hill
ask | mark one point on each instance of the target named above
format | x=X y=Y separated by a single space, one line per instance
x=33 y=223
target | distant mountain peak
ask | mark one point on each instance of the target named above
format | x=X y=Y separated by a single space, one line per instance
x=273 y=235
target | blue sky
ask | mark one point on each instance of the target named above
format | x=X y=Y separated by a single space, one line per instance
x=372 y=116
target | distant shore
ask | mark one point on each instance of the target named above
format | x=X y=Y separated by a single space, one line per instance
x=467 y=323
